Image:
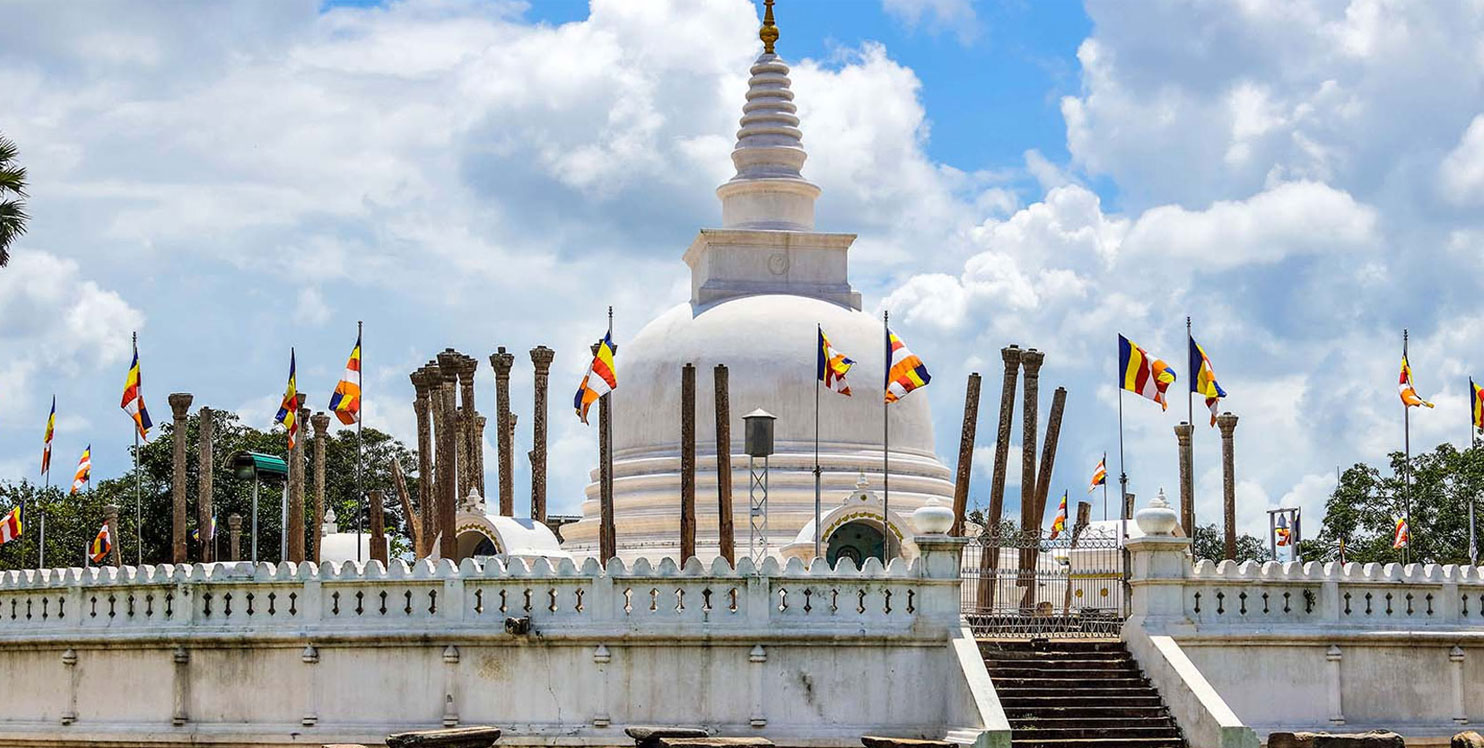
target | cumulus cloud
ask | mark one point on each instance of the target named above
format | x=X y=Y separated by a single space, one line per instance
x=938 y=15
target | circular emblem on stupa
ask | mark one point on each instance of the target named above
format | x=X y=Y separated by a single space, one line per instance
x=778 y=263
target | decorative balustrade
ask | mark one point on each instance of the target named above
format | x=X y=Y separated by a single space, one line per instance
x=1369 y=595
x=476 y=595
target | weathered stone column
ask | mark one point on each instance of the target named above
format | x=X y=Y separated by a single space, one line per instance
x=422 y=385
x=463 y=424
x=469 y=435
x=111 y=518
x=1183 y=433
x=726 y=540
x=1228 y=425
x=607 y=531
x=989 y=559
x=378 y=527
x=203 y=488
x=414 y=524
x=1030 y=524
x=448 y=499
x=965 y=454
x=1043 y=483
x=687 y=462
x=234 y=537
x=502 y=363
x=296 y=530
x=541 y=358
x=180 y=406
x=321 y=423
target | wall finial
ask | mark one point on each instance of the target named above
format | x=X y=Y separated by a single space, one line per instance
x=769 y=32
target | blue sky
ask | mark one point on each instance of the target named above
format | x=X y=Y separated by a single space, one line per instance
x=239 y=177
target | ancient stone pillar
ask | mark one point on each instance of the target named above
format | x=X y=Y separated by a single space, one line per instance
x=203 y=488
x=111 y=518
x=541 y=358
x=448 y=499
x=378 y=527
x=469 y=435
x=726 y=540
x=234 y=537
x=422 y=385
x=180 y=406
x=607 y=531
x=1031 y=361
x=687 y=462
x=965 y=454
x=989 y=559
x=296 y=530
x=321 y=423
x=1043 y=482
x=502 y=363
x=463 y=424
x=414 y=524
x=1183 y=433
x=1228 y=425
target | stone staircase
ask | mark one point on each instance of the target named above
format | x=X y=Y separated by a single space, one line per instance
x=1077 y=694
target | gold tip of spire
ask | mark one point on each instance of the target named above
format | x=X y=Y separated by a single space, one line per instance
x=769 y=32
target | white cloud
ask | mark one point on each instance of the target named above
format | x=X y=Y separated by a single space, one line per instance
x=1462 y=170
x=939 y=15
x=312 y=309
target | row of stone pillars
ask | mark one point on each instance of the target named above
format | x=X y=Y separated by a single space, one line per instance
x=180 y=404
x=450 y=445
x=1227 y=424
x=726 y=532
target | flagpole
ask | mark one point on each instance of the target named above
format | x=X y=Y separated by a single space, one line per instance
x=1190 y=391
x=41 y=539
x=1407 y=466
x=138 y=493
x=1122 y=475
x=885 y=441
x=819 y=333
x=360 y=458
x=1105 y=484
x=1473 y=446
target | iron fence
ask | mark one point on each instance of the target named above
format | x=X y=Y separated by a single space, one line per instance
x=1031 y=585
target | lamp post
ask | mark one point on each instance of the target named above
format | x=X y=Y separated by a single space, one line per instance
x=255 y=466
x=757 y=442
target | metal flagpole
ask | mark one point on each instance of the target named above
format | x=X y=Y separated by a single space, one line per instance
x=1474 y=446
x=885 y=442
x=1122 y=476
x=1190 y=392
x=138 y=493
x=819 y=333
x=1407 y=466
x=45 y=489
x=1105 y=486
x=360 y=459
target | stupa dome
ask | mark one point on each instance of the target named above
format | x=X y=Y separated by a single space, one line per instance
x=762 y=286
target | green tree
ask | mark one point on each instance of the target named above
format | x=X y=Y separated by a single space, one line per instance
x=1361 y=509
x=72 y=521
x=1209 y=542
x=12 y=198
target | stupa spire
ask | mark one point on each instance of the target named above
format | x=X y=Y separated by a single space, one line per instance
x=768 y=191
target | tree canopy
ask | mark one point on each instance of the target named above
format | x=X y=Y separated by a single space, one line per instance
x=12 y=198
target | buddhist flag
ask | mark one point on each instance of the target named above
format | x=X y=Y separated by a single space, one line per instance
x=1099 y=475
x=1203 y=379
x=1401 y=536
x=1141 y=373
x=1284 y=534
x=1059 y=525
x=288 y=410
x=10 y=526
x=1406 y=389
x=601 y=378
x=904 y=370
x=46 y=441
x=84 y=469
x=210 y=531
x=832 y=366
x=346 y=402
x=101 y=546
x=133 y=402
x=1476 y=404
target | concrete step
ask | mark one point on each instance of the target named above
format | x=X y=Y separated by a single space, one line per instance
x=1081 y=660
x=1089 y=673
x=1071 y=685
x=1054 y=702
x=1103 y=723
x=1113 y=694
x=1118 y=712
x=1083 y=733
x=1106 y=742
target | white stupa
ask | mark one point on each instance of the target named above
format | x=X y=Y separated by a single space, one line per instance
x=759 y=286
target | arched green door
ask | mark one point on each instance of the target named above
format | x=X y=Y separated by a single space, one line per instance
x=856 y=540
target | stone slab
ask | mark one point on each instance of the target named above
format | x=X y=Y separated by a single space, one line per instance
x=1373 y=739
x=874 y=741
x=1467 y=739
x=645 y=735
x=457 y=737
x=713 y=743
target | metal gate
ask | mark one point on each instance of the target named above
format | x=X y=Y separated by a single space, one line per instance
x=1029 y=585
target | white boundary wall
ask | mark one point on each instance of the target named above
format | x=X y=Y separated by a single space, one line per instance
x=304 y=654
x=1309 y=646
